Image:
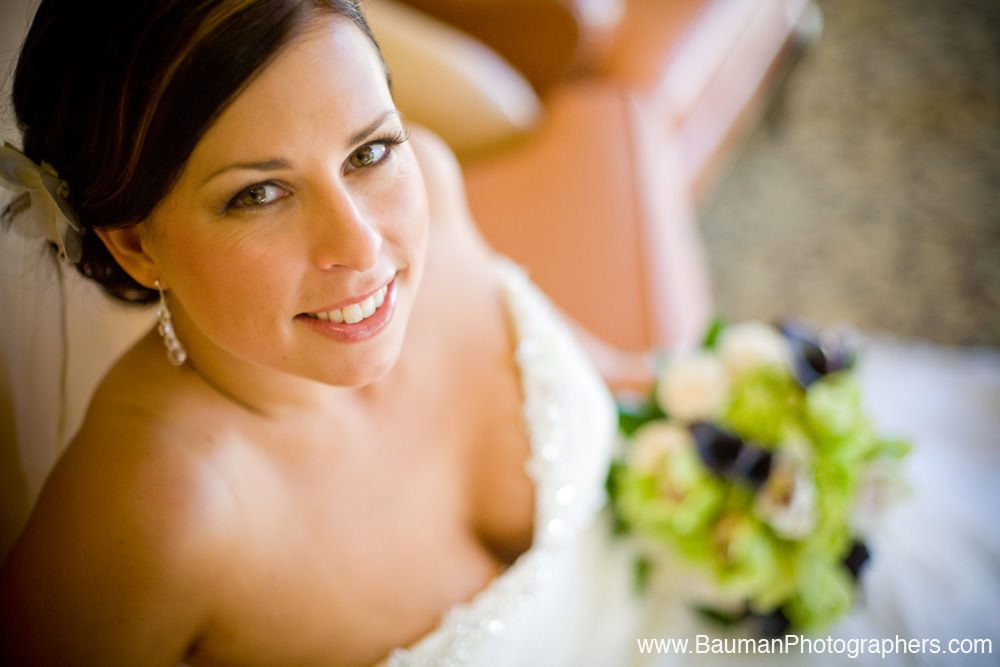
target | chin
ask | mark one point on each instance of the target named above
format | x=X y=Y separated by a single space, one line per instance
x=363 y=370
x=362 y=378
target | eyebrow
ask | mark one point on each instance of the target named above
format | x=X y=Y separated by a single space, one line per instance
x=371 y=129
x=266 y=165
x=276 y=164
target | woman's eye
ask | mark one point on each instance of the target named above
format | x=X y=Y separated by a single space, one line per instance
x=257 y=195
x=368 y=155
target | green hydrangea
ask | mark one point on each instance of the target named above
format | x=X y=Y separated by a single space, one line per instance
x=765 y=403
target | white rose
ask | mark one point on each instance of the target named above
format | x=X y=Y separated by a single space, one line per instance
x=693 y=388
x=743 y=347
x=788 y=500
x=653 y=441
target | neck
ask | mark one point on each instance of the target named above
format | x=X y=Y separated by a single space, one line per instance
x=271 y=393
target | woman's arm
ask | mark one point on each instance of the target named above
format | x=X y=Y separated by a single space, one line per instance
x=112 y=569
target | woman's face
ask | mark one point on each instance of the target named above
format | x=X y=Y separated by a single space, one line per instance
x=295 y=237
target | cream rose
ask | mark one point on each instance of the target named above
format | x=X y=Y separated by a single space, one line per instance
x=653 y=442
x=743 y=347
x=693 y=388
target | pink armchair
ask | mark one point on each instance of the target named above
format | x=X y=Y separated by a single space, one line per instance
x=638 y=101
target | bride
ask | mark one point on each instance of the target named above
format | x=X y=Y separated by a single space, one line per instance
x=356 y=436
x=322 y=450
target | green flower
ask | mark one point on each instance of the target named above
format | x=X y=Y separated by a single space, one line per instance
x=744 y=555
x=764 y=405
x=833 y=407
x=824 y=591
x=665 y=491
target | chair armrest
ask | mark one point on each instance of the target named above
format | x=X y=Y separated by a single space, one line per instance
x=451 y=83
x=546 y=40
x=590 y=204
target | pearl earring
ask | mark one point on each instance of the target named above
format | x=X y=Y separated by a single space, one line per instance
x=175 y=351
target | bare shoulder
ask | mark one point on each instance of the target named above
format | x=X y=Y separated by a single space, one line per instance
x=437 y=161
x=444 y=181
x=458 y=253
x=116 y=563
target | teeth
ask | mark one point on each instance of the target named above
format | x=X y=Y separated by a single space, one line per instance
x=353 y=314
x=356 y=311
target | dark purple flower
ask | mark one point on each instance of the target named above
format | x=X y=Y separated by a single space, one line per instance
x=728 y=456
x=815 y=353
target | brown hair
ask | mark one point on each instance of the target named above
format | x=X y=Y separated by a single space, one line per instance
x=115 y=94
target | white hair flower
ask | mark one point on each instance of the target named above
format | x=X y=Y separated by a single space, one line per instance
x=48 y=214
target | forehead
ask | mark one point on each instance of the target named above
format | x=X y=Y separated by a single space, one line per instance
x=326 y=81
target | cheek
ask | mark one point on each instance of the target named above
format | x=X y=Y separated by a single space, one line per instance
x=224 y=256
x=234 y=283
x=405 y=217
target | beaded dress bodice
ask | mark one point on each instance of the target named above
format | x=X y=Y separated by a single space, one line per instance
x=570 y=419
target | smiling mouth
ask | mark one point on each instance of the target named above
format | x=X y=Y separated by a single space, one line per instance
x=354 y=313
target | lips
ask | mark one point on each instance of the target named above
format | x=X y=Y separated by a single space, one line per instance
x=356 y=321
x=355 y=312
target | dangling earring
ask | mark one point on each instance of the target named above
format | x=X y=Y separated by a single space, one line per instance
x=175 y=351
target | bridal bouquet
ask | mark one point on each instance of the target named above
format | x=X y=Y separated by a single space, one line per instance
x=750 y=463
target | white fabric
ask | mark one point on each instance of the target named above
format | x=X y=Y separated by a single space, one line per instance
x=47 y=372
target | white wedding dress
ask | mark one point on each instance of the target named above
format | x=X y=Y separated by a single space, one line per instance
x=569 y=600
x=548 y=607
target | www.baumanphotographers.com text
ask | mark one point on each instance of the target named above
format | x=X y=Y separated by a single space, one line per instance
x=851 y=648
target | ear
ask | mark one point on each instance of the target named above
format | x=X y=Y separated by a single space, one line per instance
x=126 y=246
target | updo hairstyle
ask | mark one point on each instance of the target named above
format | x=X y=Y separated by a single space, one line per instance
x=115 y=94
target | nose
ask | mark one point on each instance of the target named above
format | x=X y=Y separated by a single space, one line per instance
x=344 y=233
